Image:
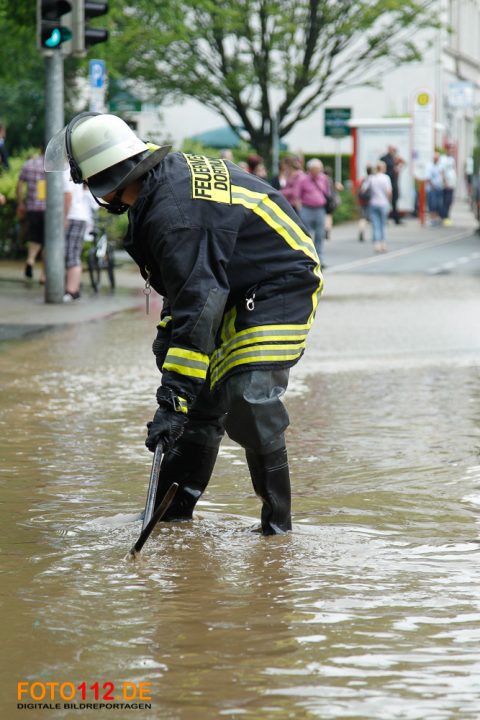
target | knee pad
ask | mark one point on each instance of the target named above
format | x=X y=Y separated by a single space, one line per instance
x=257 y=417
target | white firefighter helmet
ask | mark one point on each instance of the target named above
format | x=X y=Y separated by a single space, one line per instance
x=103 y=151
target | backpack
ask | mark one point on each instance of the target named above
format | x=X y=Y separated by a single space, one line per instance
x=332 y=202
x=364 y=193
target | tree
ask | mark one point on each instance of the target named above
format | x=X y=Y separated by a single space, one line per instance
x=22 y=78
x=250 y=60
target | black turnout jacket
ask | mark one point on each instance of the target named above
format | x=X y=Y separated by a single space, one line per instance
x=237 y=269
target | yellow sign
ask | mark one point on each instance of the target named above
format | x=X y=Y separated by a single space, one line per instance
x=423 y=98
x=210 y=179
x=41 y=190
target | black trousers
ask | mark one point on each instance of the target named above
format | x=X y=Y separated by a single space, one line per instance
x=247 y=405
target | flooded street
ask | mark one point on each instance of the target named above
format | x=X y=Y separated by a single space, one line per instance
x=369 y=610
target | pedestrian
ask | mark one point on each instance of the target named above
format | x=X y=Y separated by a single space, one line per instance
x=380 y=199
x=469 y=172
x=292 y=171
x=31 y=204
x=393 y=164
x=4 y=162
x=256 y=166
x=77 y=214
x=240 y=280
x=279 y=180
x=476 y=197
x=435 y=183
x=364 y=195
x=313 y=193
x=333 y=200
x=449 y=183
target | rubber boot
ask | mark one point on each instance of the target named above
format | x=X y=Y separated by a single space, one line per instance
x=271 y=482
x=190 y=465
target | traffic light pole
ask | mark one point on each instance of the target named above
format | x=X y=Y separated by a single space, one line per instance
x=54 y=222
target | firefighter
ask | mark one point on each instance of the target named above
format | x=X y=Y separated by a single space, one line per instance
x=240 y=280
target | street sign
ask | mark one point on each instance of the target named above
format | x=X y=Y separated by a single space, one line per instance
x=336 y=122
x=124 y=104
x=460 y=94
x=423 y=132
x=97 y=81
x=96 y=73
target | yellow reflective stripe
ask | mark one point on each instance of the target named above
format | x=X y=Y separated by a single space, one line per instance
x=186 y=362
x=276 y=218
x=317 y=293
x=181 y=370
x=193 y=355
x=273 y=215
x=258 y=354
x=261 y=333
x=164 y=321
x=282 y=215
x=182 y=405
x=277 y=329
x=228 y=325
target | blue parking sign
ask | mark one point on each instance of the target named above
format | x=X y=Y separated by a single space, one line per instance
x=96 y=71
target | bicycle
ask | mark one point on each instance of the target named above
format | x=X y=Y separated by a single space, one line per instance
x=101 y=257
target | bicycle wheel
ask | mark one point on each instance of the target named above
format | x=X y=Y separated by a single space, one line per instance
x=111 y=266
x=93 y=269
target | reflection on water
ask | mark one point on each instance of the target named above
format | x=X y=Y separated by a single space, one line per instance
x=370 y=609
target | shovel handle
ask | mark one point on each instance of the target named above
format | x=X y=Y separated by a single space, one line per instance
x=152 y=485
x=157 y=515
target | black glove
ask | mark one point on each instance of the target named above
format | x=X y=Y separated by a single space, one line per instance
x=162 y=341
x=168 y=421
x=166 y=427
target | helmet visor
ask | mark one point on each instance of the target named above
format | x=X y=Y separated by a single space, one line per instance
x=55 y=155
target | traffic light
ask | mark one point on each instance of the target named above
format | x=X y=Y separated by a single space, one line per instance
x=85 y=36
x=52 y=28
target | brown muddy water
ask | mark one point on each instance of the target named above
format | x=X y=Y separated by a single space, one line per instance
x=369 y=609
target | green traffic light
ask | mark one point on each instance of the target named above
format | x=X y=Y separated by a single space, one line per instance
x=54 y=40
x=57 y=36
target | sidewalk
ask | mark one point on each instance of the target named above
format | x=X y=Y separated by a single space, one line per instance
x=344 y=247
x=23 y=309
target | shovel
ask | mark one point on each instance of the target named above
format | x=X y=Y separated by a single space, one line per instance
x=151 y=517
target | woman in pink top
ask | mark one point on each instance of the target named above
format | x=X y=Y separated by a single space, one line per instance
x=292 y=170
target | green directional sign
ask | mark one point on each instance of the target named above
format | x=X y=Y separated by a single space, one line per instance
x=336 y=122
x=124 y=104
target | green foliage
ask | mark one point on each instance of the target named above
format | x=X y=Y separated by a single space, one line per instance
x=9 y=225
x=232 y=55
x=195 y=147
x=9 y=178
x=476 y=149
x=116 y=226
x=348 y=208
x=22 y=77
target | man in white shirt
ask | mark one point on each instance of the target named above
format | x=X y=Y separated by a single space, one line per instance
x=435 y=185
x=450 y=182
x=77 y=213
